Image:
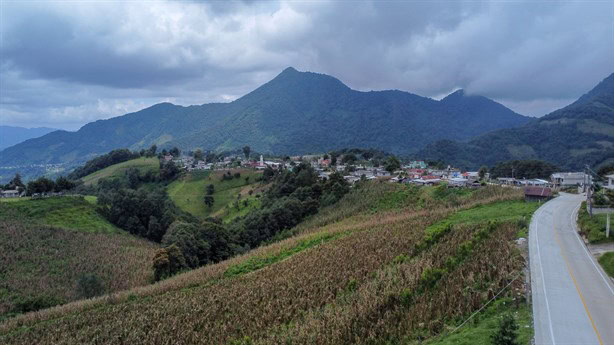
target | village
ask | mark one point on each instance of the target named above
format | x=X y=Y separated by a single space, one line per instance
x=415 y=172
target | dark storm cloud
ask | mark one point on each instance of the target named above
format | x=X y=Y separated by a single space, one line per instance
x=67 y=63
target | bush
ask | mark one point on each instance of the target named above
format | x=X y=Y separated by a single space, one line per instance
x=35 y=303
x=506 y=334
x=89 y=285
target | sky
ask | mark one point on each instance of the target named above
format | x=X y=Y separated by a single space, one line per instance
x=64 y=64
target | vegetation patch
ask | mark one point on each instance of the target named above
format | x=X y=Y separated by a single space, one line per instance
x=143 y=164
x=593 y=228
x=188 y=193
x=257 y=263
x=607 y=262
x=481 y=328
x=44 y=266
x=73 y=213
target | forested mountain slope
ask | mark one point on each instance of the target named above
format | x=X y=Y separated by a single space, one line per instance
x=578 y=134
x=295 y=113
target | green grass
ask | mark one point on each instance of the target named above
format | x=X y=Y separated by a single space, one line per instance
x=607 y=262
x=478 y=330
x=143 y=164
x=73 y=213
x=592 y=227
x=257 y=263
x=502 y=211
x=189 y=191
x=231 y=212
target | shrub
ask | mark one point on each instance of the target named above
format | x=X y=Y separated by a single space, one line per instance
x=506 y=334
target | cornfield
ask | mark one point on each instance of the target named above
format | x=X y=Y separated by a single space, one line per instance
x=370 y=284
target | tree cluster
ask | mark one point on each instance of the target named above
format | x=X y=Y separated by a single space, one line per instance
x=101 y=162
x=528 y=169
x=46 y=185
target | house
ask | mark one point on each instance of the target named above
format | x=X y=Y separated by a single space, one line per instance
x=536 y=193
x=610 y=184
x=471 y=176
x=417 y=165
x=508 y=181
x=11 y=193
x=566 y=179
x=457 y=182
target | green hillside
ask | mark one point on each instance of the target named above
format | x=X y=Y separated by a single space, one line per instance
x=388 y=264
x=189 y=191
x=295 y=113
x=72 y=213
x=143 y=164
x=50 y=247
x=579 y=134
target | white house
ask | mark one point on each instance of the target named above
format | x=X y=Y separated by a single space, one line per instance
x=13 y=193
x=610 y=184
x=569 y=179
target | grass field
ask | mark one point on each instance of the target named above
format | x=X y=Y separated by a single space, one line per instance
x=67 y=212
x=347 y=276
x=188 y=192
x=143 y=164
x=41 y=266
x=592 y=227
x=607 y=262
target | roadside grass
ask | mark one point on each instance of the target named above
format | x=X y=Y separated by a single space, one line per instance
x=144 y=164
x=68 y=212
x=478 y=330
x=607 y=262
x=592 y=227
x=14 y=199
x=189 y=191
x=503 y=211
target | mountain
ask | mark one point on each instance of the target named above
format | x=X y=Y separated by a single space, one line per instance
x=295 y=113
x=578 y=134
x=10 y=135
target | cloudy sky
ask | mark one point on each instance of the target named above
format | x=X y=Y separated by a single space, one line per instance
x=63 y=64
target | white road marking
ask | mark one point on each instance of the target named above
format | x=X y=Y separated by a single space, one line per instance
x=590 y=257
x=539 y=256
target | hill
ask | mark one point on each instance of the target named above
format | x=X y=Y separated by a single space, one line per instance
x=387 y=264
x=72 y=213
x=189 y=191
x=143 y=164
x=578 y=134
x=10 y=135
x=58 y=250
x=295 y=113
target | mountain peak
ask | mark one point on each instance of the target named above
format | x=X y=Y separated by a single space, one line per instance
x=289 y=69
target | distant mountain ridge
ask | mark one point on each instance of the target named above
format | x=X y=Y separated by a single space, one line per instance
x=294 y=113
x=578 y=134
x=12 y=135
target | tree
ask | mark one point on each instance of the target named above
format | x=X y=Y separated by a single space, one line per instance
x=152 y=151
x=209 y=201
x=392 y=164
x=210 y=189
x=62 y=184
x=167 y=262
x=246 y=151
x=198 y=155
x=175 y=152
x=333 y=159
x=16 y=182
x=506 y=334
x=482 y=172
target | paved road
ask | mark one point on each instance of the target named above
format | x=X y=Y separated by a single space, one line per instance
x=573 y=299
